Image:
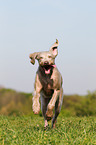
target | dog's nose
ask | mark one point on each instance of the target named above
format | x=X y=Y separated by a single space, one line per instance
x=46 y=63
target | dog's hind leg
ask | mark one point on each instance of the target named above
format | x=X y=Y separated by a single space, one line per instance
x=57 y=108
x=44 y=103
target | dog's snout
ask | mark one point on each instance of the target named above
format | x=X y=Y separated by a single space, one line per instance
x=46 y=63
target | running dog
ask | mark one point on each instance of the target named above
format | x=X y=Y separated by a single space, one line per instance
x=48 y=85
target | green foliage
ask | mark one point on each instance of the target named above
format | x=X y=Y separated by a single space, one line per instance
x=29 y=130
x=80 y=105
x=17 y=104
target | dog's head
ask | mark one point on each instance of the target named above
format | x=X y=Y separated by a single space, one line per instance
x=46 y=59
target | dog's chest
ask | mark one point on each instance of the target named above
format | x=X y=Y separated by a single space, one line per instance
x=47 y=84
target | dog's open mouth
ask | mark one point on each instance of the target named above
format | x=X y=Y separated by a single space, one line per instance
x=47 y=68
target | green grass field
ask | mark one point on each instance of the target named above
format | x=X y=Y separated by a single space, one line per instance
x=30 y=131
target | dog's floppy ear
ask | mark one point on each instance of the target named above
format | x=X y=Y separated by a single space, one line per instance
x=53 y=49
x=33 y=56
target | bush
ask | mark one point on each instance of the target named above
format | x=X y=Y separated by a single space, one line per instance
x=15 y=103
x=81 y=105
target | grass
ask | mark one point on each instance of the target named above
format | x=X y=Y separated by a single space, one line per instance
x=30 y=131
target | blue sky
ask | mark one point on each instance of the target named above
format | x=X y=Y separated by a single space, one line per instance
x=27 y=26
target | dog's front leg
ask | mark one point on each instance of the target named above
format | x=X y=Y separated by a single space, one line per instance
x=51 y=105
x=37 y=89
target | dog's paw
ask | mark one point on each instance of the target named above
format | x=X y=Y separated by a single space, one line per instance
x=49 y=115
x=36 y=108
x=36 y=112
x=46 y=125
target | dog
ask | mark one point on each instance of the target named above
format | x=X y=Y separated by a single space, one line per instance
x=48 y=85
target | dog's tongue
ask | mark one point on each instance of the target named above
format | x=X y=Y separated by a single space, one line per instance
x=48 y=71
x=54 y=65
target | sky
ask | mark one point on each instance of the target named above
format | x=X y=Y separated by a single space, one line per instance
x=28 y=26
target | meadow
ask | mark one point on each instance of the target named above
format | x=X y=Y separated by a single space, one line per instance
x=76 y=123
x=27 y=130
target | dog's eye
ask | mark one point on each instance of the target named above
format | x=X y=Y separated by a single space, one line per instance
x=49 y=56
x=41 y=58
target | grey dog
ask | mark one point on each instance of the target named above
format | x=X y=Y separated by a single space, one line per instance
x=48 y=85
